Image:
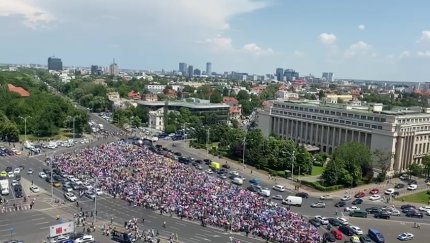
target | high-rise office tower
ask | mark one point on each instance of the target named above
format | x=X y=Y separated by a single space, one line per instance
x=114 y=69
x=55 y=63
x=327 y=76
x=280 y=74
x=291 y=75
x=183 y=68
x=190 y=71
x=208 y=68
x=94 y=69
x=197 y=72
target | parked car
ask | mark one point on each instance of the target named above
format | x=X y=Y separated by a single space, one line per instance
x=389 y=191
x=34 y=188
x=399 y=185
x=365 y=239
x=346 y=198
x=278 y=188
x=359 y=195
x=315 y=222
x=334 y=222
x=375 y=197
x=346 y=230
x=328 y=237
x=374 y=191
x=405 y=236
x=70 y=196
x=357 y=201
x=382 y=215
x=352 y=208
x=323 y=220
x=356 y=230
x=340 y=204
x=412 y=187
x=414 y=214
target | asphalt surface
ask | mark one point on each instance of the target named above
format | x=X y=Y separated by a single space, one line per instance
x=109 y=208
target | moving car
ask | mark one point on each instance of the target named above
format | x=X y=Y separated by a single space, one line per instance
x=414 y=214
x=42 y=175
x=34 y=188
x=70 y=196
x=293 y=201
x=340 y=204
x=382 y=215
x=90 y=195
x=277 y=197
x=318 y=205
x=346 y=198
x=67 y=188
x=85 y=238
x=278 y=188
x=302 y=195
x=17 y=171
x=352 y=208
x=405 y=236
x=326 y=197
x=424 y=208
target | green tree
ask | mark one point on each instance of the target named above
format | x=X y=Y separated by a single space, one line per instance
x=225 y=92
x=243 y=95
x=382 y=161
x=426 y=165
x=415 y=169
x=216 y=96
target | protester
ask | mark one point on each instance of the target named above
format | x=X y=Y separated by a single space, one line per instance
x=145 y=179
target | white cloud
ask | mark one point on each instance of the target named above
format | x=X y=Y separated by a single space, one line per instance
x=425 y=54
x=327 y=39
x=425 y=36
x=404 y=54
x=33 y=16
x=219 y=43
x=359 y=48
x=254 y=49
x=361 y=27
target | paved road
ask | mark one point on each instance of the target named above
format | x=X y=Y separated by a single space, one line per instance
x=108 y=207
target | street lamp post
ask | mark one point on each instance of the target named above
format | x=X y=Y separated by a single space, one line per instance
x=243 y=152
x=25 y=125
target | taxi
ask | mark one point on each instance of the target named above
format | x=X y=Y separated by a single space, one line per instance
x=3 y=174
x=355 y=239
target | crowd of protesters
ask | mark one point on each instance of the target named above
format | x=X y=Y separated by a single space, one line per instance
x=146 y=179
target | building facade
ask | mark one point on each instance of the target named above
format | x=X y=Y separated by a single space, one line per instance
x=209 y=69
x=183 y=68
x=405 y=134
x=156 y=119
x=55 y=64
x=279 y=74
x=327 y=77
x=190 y=71
x=114 y=69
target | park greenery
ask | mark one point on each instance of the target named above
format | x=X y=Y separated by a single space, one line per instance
x=272 y=154
x=391 y=101
x=45 y=113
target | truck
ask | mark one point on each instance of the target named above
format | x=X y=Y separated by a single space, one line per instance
x=4 y=186
x=293 y=201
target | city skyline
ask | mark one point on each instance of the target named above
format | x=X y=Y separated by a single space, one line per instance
x=348 y=39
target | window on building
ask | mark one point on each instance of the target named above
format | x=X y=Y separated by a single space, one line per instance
x=366 y=125
x=360 y=124
x=357 y=116
x=311 y=110
x=380 y=127
x=336 y=120
x=342 y=121
x=348 y=122
x=338 y=114
x=363 y=117
x=322 y=111
x=376 y=118
x=330 y=120
x=314 y=117
x=350 y=115
x=354 y=124
x=333 y=113
x=374 y=126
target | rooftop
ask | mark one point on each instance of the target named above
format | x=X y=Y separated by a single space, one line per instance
x=184 y=104
x=18 y=90
x=368 y=108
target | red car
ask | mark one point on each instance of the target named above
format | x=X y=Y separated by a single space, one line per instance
x=359 y=195
x=374 y=191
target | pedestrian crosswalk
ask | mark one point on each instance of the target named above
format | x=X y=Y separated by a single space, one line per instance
x=11 y=209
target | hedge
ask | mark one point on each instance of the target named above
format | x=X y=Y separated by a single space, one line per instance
x=319 y=187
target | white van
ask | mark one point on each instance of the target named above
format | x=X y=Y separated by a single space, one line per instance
x=293 y=200
x=237 y=181
x=265 y=192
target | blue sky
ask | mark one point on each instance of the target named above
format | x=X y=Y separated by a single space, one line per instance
x=384 y=39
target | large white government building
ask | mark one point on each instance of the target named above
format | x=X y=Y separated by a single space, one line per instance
x=403 y=133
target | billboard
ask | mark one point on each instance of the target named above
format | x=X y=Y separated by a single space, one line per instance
x=61 y=229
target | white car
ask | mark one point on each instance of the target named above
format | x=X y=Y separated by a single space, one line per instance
x=42 y=175
x=14 y=182
x=389 y=191
x=424 y=208
x=234 y=173
x=70 y=196
x=412 y=187
x=352 y=209
x=356 y=230
x=343 y=221
x=98 y=191
x=374 y=197
x=85 y=238
x=209 y=171
x=346 y=198
x=326 y=197
x=394 y=212
x=10 y=174
x=323 y=220
x=405 y=236
x=17 y=171
x=30 y=171
x=34 y=189
x=278 y=188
